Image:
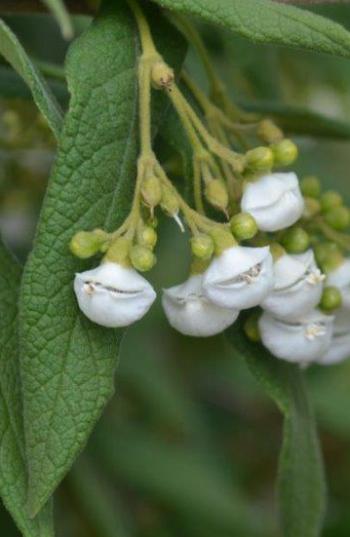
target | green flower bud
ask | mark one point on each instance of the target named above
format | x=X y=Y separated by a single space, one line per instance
x=198 y=266
x=276 y=250
x=147 y=236
x=284 y=152
x=330 y=199
x=243 y=226
x=216 y=194
x=162 y=75
x=269 y=132
x=222 y=239
x=142 y=258
x=251 y=328
x=151 y=191
x=310 y=186
x=85 y=244
x=311 y=208
x=118 y=252
x=169 y=202
x=331 y=299
x=202 y=246
x=296 y=240
x=338 y=218
x=328 y=256
x=259 y=159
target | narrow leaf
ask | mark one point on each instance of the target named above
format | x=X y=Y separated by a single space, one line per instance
x=15 y=54
x=13 y=475
x=68 y=362
x=269 y=22
x=59 y=11
x=298 y=120
x=301 y=482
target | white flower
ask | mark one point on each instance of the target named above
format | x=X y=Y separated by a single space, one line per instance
x=298 y=286
x=189 y=312
x=274 y=200
x=239 y=278
x=112 y=295
x=340 y=277
x=302 y=341
x=340 y=346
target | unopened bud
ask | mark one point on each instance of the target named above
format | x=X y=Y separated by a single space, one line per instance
x=222 y=240
x=296 y=240
x=85 y=244
x=162 y=75
x=311 y=207
x=328 y=256
x=216 y=194
x=259 y=159
x=251 y=328
x=284 y=152
x=310 y=186
x=243 y=226
x=330 y=199
x=118 y=252
x=338 y=218
x=331 y=299
x=142 y=258
x=269 y=132
x=276 y=250
x=151 y=191
x=198 y=266
x=169 y=202
x=147 y=236
x=202 y=246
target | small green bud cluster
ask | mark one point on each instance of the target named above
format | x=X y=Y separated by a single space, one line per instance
x=86 y=244
x=295 y=240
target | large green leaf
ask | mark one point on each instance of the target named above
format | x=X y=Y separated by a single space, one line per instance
x=269 y=22
x=301 y=482
x=13 y=475
x=68 y=363
x=15 y=54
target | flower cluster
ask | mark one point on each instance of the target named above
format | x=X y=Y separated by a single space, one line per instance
x=275 y=244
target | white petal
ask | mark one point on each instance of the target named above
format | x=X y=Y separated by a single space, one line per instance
x=239 y=278
x=301 y=342
x=189 y=312
x=338 y=351
x=112 y=295
x=340 y=277
x=274 y=200
x=298 y=287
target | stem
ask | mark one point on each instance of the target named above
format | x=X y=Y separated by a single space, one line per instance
x=197 y=186
x=339 y=238
x=147 y=42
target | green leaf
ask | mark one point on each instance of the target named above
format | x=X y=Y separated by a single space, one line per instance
x=13 y=474
x=298 y=120
x=68 y=362
x=59 y=11
x=269 y=22
x=301 y=483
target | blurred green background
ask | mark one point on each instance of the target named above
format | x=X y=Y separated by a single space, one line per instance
x=188 y=447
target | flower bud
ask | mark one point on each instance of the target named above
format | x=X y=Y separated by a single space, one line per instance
x=251 y=328
x=142 y=258
x=311 y=186
x=85 y=244
x=296 y=240
x=169 y=202
x=222 y=239
x=328 y=256
x=284 y=152
x=269 y=132
x=216 y=194
x=331 y=299
x=259 y=159
x=147 y=237
x=162 y=75
x=202 y=246
x=330 y=199
x=151 y=191
x=338 y=218
x=243 y=226
x=311 y=208
x=118 y=252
